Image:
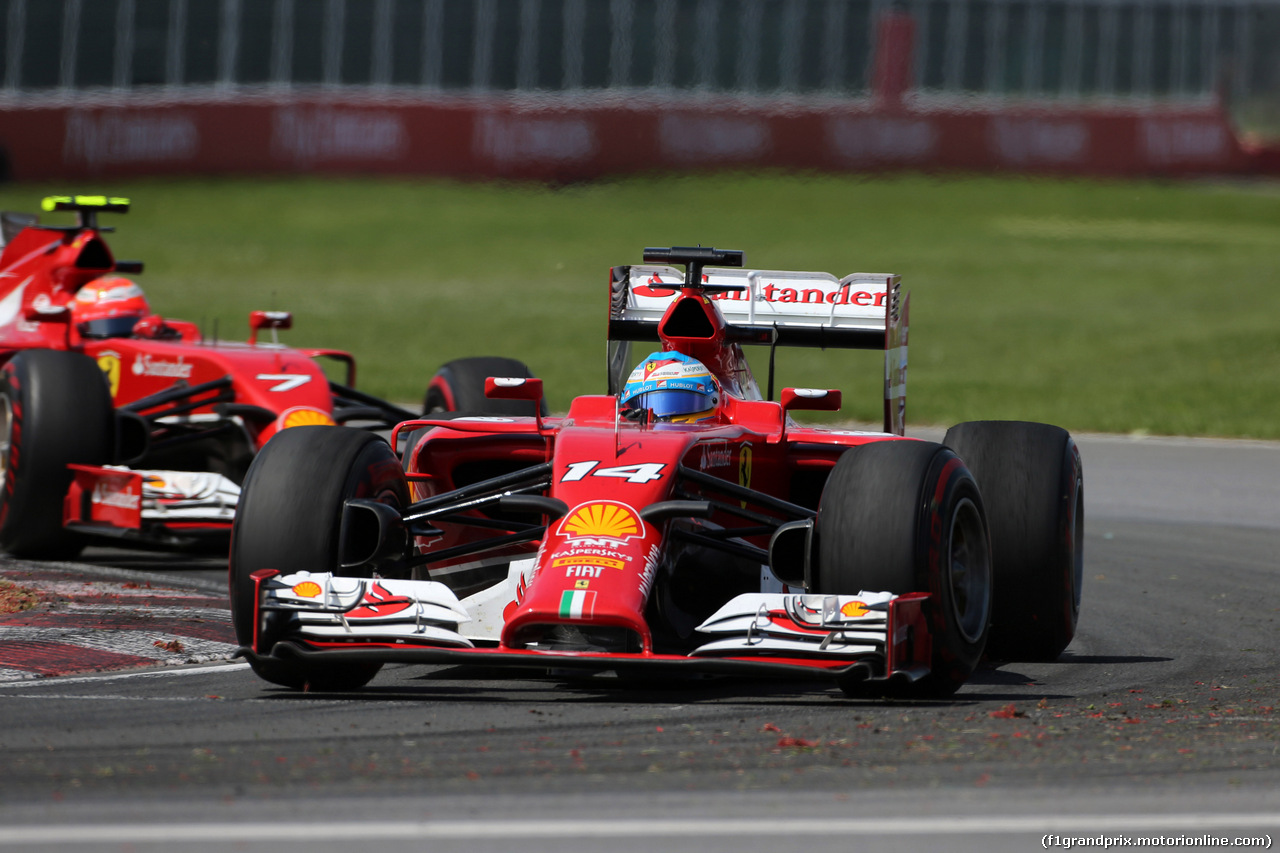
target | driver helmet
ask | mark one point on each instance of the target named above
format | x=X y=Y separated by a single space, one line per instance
x=675 y=387
x=108 y=308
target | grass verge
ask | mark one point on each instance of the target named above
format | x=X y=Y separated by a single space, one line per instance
x=1107 y=306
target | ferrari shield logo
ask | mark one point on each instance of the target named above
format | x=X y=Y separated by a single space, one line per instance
x=651 y=366
x=744 y=468
x=109 y=364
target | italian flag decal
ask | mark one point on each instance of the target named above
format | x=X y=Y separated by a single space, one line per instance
x=577 y=603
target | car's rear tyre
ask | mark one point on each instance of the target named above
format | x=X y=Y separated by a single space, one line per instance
x=289 y=519
x=906 y=516
x=458 y=386
x=1032 y=482
x=55 y=409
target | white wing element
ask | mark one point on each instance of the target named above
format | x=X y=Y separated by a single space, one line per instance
x=176 y=496
x=169 y=496
x=331 y=608
x=788 y=298
x=835 y=625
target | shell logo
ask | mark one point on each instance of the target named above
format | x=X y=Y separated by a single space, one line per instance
x=602 y=520
x=307 y=589
x=854 y=608
x=303 y=416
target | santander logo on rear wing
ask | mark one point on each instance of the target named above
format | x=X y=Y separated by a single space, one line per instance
x=858 y=311
x=789 y=299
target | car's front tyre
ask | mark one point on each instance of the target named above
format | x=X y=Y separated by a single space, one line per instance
x=55 y=409
x=289 y=519
x=906 y=516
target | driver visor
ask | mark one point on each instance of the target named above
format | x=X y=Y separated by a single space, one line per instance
x=672 y=402
x=110 y=327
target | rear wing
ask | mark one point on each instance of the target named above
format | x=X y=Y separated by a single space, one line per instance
x=86 y=208
x=12 y=222
x=794 y=308
x=772 y=308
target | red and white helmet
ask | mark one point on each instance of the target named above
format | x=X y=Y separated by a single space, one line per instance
x=108 y=307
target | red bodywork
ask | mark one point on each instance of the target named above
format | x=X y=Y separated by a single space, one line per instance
x=632 y=512
x=605 y=539
x=606 y=471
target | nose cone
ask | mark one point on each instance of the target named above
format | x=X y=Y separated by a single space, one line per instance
x=595 y=572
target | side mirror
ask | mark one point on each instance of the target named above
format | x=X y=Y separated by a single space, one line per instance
x=511 y=388
x=153 y=326
x=273 y=320
x=516 y=388
x=42 y=310
x=810 y=399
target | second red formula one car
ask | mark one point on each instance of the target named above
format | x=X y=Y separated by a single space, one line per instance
x=682 y=523
x=155 y=454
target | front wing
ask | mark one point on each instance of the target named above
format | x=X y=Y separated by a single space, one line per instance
x=872 y=638
x=134 y=503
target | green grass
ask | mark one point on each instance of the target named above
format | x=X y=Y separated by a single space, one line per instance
x=1109 y=306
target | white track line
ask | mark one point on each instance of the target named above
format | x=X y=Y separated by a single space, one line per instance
x=207 y=614
x=630 y=828
x=139 y=642
x=59 y=681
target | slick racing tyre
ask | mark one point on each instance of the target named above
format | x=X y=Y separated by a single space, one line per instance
x=55 y=409
x=459 y=387
x=906 y=516
x=289 y=519
x=1032 y=484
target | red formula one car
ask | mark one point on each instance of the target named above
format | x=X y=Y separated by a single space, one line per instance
x=683 y=523
x=156 y=453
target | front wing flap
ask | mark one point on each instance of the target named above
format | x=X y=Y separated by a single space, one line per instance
x=867 y=637
x=843 y=626
x=112 y=496
x=328 y=609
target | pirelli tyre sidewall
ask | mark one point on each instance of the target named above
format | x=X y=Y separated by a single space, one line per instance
x=55 y=409
x=906 y=516
x=289 y=519
x=1032 y=480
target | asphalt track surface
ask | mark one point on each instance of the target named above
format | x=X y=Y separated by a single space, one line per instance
x=1158 y=722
